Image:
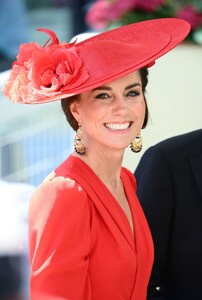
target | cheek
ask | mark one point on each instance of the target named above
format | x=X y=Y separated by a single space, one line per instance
x=93 y=113
x=88 y=118
x=144 y=109
x=140 y=110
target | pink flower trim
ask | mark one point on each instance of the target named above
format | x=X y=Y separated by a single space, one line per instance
x=42 y=74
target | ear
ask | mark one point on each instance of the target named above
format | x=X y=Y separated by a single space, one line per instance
x=74 y=108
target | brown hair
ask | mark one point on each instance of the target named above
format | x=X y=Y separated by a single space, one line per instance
x=65 y=103
x=144 y=78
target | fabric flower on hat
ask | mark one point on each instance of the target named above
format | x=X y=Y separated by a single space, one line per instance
x=43 y=73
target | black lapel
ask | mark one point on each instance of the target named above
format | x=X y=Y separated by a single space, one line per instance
x=196 y=164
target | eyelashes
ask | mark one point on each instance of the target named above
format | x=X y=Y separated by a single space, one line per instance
x=130 y=94
x=102 y=96
x=133 y=93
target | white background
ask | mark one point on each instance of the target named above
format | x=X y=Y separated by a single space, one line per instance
x=174 y=97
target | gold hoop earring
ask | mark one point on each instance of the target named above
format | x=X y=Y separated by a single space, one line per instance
x=79 y=142
x=136 y=144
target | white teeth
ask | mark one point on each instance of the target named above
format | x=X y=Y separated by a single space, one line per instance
x=118 y=126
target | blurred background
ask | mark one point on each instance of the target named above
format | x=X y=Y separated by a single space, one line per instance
x=34 y=139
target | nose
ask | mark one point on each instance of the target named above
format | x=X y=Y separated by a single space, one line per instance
x=119 y=105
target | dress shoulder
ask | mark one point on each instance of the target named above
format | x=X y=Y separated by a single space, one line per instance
x=59 y=224
x=57 y=191
x=130 y=176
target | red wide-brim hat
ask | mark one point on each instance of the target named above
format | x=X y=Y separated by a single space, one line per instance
x=60 y=70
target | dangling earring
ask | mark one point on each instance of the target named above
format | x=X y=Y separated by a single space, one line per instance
x=79 y=142
x=136 y=144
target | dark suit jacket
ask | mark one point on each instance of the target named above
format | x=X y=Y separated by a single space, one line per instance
x=11 y=277
x=169 y=181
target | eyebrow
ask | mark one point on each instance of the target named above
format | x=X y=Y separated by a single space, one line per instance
x=107 y=88
x=132 y=86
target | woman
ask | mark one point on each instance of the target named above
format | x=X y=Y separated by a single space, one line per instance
x=88 y=236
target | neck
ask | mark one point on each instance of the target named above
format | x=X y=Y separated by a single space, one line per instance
x=107 y=168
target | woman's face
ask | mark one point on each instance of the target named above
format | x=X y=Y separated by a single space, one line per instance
x=111 y=115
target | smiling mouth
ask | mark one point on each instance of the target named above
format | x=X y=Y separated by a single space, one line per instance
x=118 y=126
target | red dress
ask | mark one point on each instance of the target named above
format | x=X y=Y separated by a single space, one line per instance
x=81 y=244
